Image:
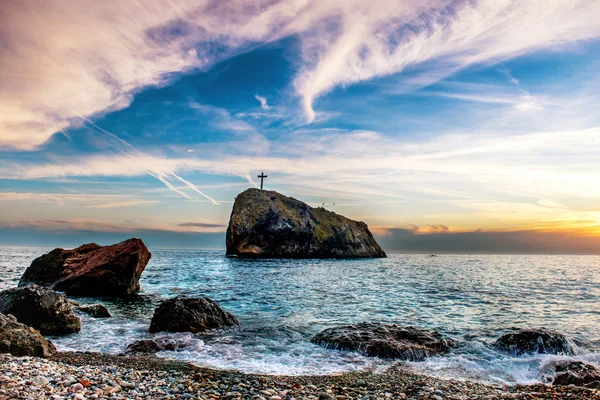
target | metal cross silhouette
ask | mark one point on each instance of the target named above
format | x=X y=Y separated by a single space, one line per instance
x=262 y=176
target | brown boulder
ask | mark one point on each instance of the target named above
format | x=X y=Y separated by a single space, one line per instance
x=384 y=341
x=181 y=314
x=91 y=270
x=21 y=340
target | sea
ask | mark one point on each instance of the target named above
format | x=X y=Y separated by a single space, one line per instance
x=280 y=304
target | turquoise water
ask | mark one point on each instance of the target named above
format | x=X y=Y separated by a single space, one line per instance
x=282 y=303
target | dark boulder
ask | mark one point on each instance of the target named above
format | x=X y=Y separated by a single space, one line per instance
x=384 y=341
x=155 y=345
x=181 y=314
x=569 y=372
x=94 y=310
x=143 y=346
x=21 y=340
x=44 y=309
x=540 y=340
x=268 y=224
x=91 y=270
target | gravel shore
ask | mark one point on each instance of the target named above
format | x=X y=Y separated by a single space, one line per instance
x=99 y=376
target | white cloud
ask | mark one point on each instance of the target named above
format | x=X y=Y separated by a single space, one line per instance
x=86 y=200
x=262 y=101
x=106 y=51
x=373 y=41
x=449 y=165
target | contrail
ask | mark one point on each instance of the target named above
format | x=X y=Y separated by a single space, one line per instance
x=163 y=179
x=250 y=180
x=194 y=188
x=160 y=176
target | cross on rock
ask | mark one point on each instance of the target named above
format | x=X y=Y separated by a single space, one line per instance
x=262 y=176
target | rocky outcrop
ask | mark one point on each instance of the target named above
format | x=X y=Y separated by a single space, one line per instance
x=269 y=224
x=21 y=340
x=94 y=310
x=384 y=341
x=540 y=340
x=44 y=309
x=182 y=314
x=91 y=270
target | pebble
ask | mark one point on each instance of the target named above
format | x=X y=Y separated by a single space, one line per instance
x=40 y=381
x=123 y=378
x=78 y=387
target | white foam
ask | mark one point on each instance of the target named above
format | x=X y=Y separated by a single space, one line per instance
x=299 y=359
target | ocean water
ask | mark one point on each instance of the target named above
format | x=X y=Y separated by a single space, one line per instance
x=473 y=299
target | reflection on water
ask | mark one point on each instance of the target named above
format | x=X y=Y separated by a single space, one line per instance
x=282 y=303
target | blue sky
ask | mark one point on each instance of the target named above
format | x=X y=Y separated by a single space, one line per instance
x=420 y=118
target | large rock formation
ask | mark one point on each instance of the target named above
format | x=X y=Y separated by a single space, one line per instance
x=384 y=341
x=44 y=309
x=526 y=341
x=182 y=314
x=269 y=224
x=21 y=340
x=91 y=270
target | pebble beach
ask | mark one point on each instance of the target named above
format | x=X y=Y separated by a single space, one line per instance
x=80 y=376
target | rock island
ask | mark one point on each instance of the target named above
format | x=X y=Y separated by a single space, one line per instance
x=270 y=225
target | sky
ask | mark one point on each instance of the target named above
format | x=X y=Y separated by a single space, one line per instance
x=466 y=126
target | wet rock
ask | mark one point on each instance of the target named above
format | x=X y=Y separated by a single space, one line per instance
x=384 y=341
x=91 y=270
x=540 y=340
x=568 y=372
x=268 y=224
x=143 y=346
x=44 y=309
x=21 y=340
x=181 y=314
x=94 y=310
x=155 y=345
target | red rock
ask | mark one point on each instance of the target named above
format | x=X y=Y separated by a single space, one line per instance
x=91 y=270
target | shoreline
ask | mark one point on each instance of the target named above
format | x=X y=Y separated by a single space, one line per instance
x=150 y=377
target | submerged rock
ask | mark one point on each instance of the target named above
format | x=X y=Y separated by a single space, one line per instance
x=181 y=314
x=540 y=340
x=143 y=346
x=569 y=372
x=21 y=340
x=44 y=309
x=384 y=341
x=91 y=270
x=268 y=224
x=163 y=343
x=94 y=310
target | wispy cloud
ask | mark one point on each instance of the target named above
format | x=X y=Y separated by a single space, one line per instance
x=403 y=179
x=262 y=101
x=126 y=203
x=86 y=200
x=115 y=50
x=200 y=225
